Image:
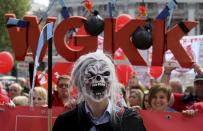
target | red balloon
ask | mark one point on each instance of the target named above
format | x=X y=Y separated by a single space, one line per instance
x=122 y=20
x=61 y=68
x=124 y=72
x=6 y=62
x=156 y=71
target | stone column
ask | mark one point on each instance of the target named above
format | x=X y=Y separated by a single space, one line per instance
x=191 y=16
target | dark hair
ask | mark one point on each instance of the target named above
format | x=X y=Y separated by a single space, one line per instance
x=123 y=91
x=146 y=93
x=198 y=77
x=189 y=89
x=157 y=88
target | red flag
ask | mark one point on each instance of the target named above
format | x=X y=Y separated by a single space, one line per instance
x=124 y=72
x=42 y=79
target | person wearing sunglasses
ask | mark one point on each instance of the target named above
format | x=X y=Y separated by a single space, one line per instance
x=62 y=97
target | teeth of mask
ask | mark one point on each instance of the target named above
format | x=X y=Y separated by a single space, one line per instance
x=94 y=85
x=99 y=84
x=98 y=93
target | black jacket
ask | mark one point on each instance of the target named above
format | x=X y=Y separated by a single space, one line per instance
x=77 y=120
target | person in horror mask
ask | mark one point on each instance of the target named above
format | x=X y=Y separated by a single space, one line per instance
x=94 y=75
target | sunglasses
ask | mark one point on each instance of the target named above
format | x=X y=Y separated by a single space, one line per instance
x=63 y=85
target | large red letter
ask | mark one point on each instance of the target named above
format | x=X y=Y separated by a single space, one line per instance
x=159 y=45
x=72 y=53
x=122 y=40
x=173 y=37
x=22 y=38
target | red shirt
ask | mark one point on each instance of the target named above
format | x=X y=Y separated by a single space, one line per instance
x=56 y=101
x=4 y=99
x=178 y=104
x=198 y=106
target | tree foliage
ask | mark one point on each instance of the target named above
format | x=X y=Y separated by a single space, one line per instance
x=19 y=8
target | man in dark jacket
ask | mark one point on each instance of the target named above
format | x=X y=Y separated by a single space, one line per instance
x=94 y=75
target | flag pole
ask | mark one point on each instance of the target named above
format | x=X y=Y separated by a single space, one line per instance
x=50 y=84
x=46 y=35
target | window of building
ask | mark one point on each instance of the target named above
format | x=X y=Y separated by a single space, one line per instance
x=70 y=9
x=182 y=6
x=151 y=5
x=200 y=6
x=201 y=26
x=81 y=10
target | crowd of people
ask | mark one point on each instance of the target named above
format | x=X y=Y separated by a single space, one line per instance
x=92 y=95
x=14 y=94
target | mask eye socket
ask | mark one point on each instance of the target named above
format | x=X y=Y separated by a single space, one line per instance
x=91 y=74
x=106 y=73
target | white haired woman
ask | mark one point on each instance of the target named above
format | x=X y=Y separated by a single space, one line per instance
x=94 y=75
x=40 y=97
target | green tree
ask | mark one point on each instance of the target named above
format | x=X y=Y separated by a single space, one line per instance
x=19 y=8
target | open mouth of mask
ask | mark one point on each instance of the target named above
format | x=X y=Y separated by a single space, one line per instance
x=98 y=90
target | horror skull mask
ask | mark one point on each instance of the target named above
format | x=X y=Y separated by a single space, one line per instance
x=97 y=79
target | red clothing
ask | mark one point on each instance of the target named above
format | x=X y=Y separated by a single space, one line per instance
x=178 y=104
x=74 y=92
x=56 y=101
x=198 y=106
x=4 y=99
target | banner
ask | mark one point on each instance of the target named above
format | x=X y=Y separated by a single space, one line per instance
x=26 y=118
x=168 y=121
x=35 y=119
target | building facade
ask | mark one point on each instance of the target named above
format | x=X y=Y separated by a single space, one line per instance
x=191 y=10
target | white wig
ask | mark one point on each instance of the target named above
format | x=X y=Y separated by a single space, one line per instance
x=82 y=63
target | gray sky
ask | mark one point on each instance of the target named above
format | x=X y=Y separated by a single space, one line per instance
x=43 y=2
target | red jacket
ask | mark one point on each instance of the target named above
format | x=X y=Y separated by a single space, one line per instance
x=198 y=106
x=4 y=99
x=56 y=101
x=178 y=104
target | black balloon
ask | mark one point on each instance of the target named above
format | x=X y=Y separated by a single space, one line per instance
x=94 y=24
x=142 y=37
